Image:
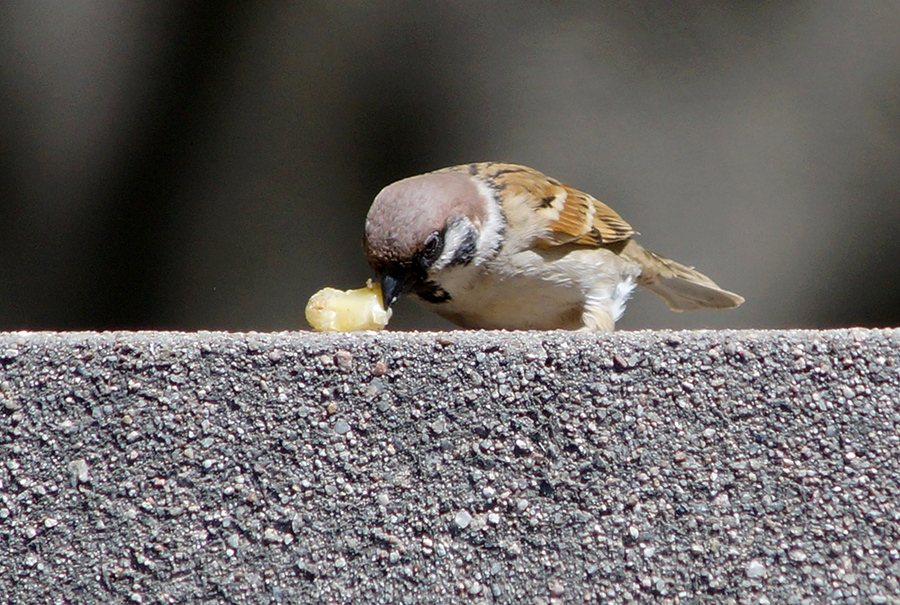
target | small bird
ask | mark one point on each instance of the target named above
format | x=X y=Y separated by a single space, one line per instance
x=500 y=246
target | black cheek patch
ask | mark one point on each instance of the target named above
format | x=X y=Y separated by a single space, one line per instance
x=431 y=292
x=465 y=254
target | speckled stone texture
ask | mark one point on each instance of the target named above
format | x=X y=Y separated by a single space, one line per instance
x=668 y=467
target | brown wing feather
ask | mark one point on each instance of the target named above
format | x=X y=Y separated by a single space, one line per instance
x=570 y=216
x=605 y=226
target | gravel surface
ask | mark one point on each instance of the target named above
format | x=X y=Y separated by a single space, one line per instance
x=671 y=467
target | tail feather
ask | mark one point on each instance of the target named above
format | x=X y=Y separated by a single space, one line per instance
x=683 y=288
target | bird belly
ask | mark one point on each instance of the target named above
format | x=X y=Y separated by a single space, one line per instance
x=532 y=291
x=513 y=304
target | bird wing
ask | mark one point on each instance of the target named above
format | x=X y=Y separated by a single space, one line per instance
x=566 y=215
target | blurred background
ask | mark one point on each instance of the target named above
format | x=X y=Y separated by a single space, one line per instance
x=209 y=165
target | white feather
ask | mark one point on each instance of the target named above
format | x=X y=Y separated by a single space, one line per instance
x=490 y=236
x=454 y=237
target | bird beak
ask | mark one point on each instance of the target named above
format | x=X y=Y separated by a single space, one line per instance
x=391 y=287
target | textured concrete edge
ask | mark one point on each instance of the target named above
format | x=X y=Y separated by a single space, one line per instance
x=645 y=339
x=667 y=472
x=856 y=334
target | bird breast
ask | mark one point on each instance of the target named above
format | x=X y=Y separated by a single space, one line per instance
x=539 y=290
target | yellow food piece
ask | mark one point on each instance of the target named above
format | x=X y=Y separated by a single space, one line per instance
x=330 y=310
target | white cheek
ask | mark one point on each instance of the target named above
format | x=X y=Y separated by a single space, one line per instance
x=490 y=239
x=454 y=238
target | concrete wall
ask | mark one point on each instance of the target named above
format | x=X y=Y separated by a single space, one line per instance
x=432 y=467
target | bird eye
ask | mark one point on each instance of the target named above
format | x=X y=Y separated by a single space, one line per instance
x=431 y=249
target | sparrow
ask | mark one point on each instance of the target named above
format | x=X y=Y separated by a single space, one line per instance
x=501 y=246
